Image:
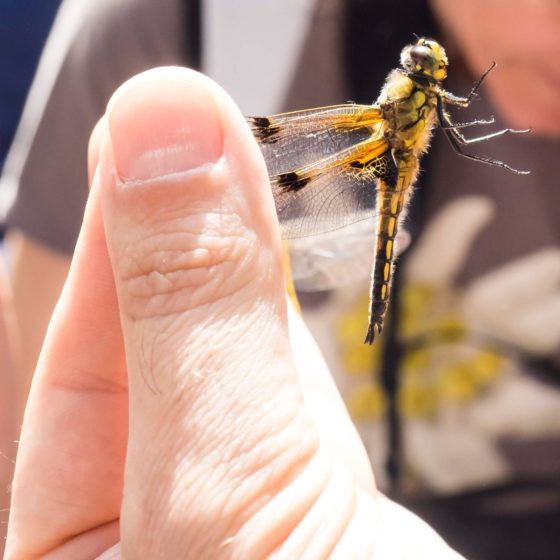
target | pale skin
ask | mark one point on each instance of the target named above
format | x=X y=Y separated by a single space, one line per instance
x=169 y=349
x=8 y=392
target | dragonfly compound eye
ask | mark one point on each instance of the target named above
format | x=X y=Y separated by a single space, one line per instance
x=423 y=57
x=427 y=58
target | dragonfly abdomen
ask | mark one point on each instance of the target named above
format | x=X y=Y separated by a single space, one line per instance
x=390 y=205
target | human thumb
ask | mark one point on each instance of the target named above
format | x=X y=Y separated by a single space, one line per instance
x=217 y=423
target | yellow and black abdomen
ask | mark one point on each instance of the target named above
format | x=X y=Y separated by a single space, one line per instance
x=390 y=204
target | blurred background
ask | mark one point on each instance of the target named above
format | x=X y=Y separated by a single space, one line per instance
x=458 y=402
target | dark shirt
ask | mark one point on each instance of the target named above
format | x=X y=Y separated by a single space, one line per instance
x=24 y=27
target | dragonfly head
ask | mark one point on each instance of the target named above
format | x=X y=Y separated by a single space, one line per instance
x=426 y=59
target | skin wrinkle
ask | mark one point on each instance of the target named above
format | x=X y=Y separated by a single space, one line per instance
x=91 y=381
x=189 y=247
x=214 y=388
x=73 y=548
x=207 y=524
x=149 y=366
x=350 y=545
x=179 y=325
x=199 y=334
x=222 y=196
x=269 y=476
x=263 y=482
x=274 y=482
x=278 y=520
x=163 y=276
x=244 y=452
x=339 y=505
x=160 y=255
x=95 y=383
x=208 y=430
x=214 y=285
x=160 y=282
x=201 y=294
x=195 y=335
x=197 y=311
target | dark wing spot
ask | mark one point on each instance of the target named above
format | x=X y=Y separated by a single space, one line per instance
x=263 y=129
x=291 y=181
x=259 y=122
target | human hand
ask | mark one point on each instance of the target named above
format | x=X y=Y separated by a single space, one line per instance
x=523 y=37
x=169 y=410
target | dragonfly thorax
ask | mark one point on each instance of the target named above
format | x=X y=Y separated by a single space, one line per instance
x=408 y=108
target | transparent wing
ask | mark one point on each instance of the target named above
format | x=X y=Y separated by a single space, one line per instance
x=292 y=140
x=334 y=192
x=334 y=259
x=324 y=166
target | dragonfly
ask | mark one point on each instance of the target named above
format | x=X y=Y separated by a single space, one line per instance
x=332 y=167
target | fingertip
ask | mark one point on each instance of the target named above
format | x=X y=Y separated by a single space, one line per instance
x=170 y=120
x=161 y=122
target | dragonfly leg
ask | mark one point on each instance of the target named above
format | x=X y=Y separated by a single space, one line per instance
x=466 y=101
x=451 y=124
x=488 y=161
x=455 y=138
x=446 y=123
x=460 y=138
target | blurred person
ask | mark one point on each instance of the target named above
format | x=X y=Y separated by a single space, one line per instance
x=450 y=372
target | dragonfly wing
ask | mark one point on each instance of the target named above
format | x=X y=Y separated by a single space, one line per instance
x=338 y=258
x=334 y=192
x=292 y=140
